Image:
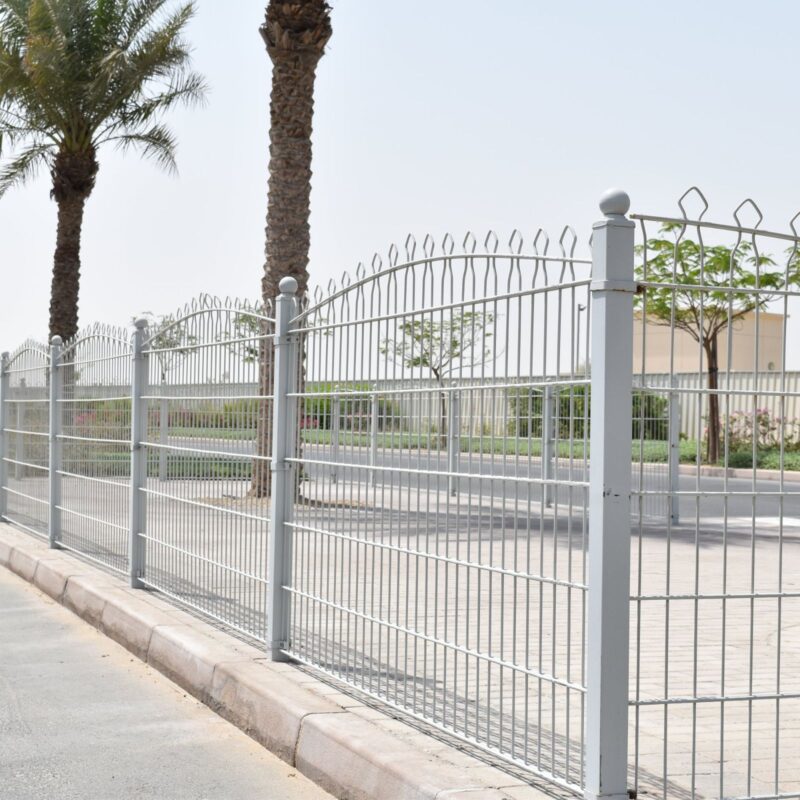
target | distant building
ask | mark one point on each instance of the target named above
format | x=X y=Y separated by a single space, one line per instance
x=687 y=351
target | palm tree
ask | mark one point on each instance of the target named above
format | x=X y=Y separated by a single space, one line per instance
x=78 y=74
x=295 y=32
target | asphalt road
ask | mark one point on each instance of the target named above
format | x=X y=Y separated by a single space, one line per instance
x=80 y=718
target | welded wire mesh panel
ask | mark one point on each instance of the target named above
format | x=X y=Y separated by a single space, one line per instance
x=209 y=413
x=95 y=440
x=27 y=434
x=437 y=563
x=716 y=598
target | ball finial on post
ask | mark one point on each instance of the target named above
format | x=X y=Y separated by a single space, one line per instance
x=615 y=203
x=140 y=324
x=288 y=285
x=56 y=341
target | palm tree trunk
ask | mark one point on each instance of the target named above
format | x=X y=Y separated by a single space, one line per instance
x=712 y=359
x=66 y=269
x=73 y=180
x=295 y=35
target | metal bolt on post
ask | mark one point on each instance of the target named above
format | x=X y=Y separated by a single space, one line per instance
x=138 y=511
x=4 y=400
x=54 y=449
x=608 y=607
x=453 y=441
x=548 y=442
x=283 y=441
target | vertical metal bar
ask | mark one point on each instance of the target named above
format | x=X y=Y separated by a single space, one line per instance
x=283 y=439
x=4 y=399
x=674 y=454
x=54 y=451
x=613 y=287
x=453 y=440
x=373 y=435
x=163 y=436
x=548 y=442
x=138 y=513
x=336 y=416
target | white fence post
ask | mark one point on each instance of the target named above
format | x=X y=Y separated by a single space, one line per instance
x=138 y=511
x=373 y=434
x=283 y=484
x=5 y=384
x=336 y=415
x=613 y=288
x=453 y=440
x=548 y=442
x=674 y=454
x=54 y=449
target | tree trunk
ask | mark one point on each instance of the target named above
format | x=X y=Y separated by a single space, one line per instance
x=73 y=177
x=712 y=359
x=295 y=35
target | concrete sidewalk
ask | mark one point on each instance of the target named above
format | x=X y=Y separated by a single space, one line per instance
x=80 y=717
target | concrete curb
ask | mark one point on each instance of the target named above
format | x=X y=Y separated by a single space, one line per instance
x=350 y=749
x=789 y=476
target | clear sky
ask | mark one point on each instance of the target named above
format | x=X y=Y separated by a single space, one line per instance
x=432 y=116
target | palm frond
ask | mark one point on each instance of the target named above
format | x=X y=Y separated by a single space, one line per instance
x=24 y=166
x=157 y=143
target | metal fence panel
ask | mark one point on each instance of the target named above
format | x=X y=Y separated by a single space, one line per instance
x=444 y=585
x=26 y=435
x=715 y=704
x=208 y=404
x=94 y=410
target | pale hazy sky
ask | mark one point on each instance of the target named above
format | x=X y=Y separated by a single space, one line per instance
x=432 y=116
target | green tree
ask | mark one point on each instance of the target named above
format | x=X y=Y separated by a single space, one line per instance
x=295 y=33
x=677 y=267
x=456 y=343
x=76 y=75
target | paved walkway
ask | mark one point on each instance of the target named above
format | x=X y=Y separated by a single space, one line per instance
x=82 y=718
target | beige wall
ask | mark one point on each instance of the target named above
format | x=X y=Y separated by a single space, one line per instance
x=687 y=350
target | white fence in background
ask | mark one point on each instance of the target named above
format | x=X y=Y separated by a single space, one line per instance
x=414 y=484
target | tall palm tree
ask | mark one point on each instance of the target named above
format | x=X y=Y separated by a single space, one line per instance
x=295 y=32
x=78 y=74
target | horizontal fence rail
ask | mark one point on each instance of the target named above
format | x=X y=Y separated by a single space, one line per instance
x=440 y=483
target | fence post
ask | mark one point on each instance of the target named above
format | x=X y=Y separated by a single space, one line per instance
x=674 y=454
x=54 y=449
x=336 y=415
x=454 y=440
x=548 y=442
x=373 y=435
x=138 y=512
x=283 y=440
x=613 y=287
x=4 y=399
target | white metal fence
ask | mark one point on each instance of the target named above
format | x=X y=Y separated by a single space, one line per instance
x=393 y=482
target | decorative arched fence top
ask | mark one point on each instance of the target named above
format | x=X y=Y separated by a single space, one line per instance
x=212 y=313
x=443 y=274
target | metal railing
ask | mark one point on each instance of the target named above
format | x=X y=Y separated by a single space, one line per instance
x=442 y=484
